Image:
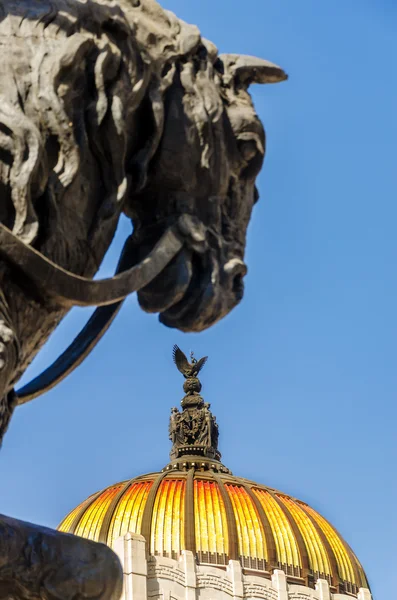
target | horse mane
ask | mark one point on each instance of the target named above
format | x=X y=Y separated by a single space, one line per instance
x=125 y=52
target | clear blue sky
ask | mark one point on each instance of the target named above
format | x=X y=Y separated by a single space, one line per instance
x=302 y=376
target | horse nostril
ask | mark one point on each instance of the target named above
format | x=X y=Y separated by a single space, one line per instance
x=235 y=266
x=238 y=286
x=235 y=270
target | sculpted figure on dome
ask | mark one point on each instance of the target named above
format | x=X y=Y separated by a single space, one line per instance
x=176 y=427
x=214 y=433
x=194 y=430
x=203 y=436
x=188 y=369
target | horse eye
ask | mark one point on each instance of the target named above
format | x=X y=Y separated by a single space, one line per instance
x=248 y=149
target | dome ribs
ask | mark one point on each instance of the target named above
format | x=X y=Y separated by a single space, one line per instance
x=231 y=521
x=79 y=512
x=222 y=541
x=196 y=504
x=335 y=577
x=362 y=578
x=167 y=536
x=219 y=517
x=159 y=517
x=179 y=520
x=252 y=539
x=86 y=523
x=270 y=541
x=104 y=530
x=287 y=551
x=298 y=537
x=211 y=525
x=91 y=521
x=355 y=567
x=128 y=516
x=190 y=530
x=146 y=527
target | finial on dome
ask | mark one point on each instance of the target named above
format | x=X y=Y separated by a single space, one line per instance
x=193 y=431
x=188 y=369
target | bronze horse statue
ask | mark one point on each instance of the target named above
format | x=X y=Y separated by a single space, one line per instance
x=107 y=109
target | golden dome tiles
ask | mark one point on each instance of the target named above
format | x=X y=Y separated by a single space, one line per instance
x=295 y=529
x=90 y=523
x=211 y=529
x=167 y=528
x=319 y=561
x=250 y=530
x=196 y=504
x=345 y=559
x=129 y=513
x=286 y=544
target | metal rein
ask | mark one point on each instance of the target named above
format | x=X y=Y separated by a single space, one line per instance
x=68 y=289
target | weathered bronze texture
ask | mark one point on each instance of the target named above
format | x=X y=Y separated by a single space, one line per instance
x=194 y=431
x=38 y=563
x=118 y=109
x=107 y=109
x=188 y=369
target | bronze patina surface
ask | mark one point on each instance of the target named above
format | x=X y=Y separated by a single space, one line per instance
x=111 y=108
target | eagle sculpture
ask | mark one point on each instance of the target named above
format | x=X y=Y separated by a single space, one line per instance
x=188 y=369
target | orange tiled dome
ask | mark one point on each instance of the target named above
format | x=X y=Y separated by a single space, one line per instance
x=219 y=517
x=196 y=504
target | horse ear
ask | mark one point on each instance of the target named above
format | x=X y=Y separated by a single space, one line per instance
x=249 y=69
